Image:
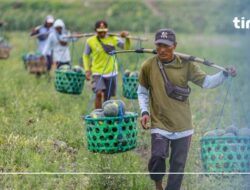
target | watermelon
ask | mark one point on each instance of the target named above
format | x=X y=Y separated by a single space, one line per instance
x=245 y=131
x=117 y=103
x=78 y=69
x=97 y=113
x=64 y=68
x=229 y=135
x=232 y=129
x=126 y=73
x=134 y=74
x=111 y=109
x=129 y=113
x=209 y=134
x=216 y=132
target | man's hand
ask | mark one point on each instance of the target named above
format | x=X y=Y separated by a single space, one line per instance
x=145 y=121
x=231 y=71
x=88 y=75
x=124 y=34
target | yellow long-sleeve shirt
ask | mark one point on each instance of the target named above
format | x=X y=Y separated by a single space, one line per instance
x=97 y=60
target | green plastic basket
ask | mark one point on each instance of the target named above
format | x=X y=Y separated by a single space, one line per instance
x=111 y=134
x=129 y=87
x=225 y=154
x=69 y=82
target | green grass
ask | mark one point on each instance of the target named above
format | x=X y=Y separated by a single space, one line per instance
x=129 y=15
x=42 y=130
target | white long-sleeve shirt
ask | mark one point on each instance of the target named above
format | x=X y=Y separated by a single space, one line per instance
x=211 y=81
x=60 y=53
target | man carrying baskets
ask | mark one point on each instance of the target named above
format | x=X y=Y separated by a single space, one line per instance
x=102 y=66
x=163 y=86
x=58 y=43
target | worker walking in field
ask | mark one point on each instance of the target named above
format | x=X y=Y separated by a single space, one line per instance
x=42 y=32
x=58 y=44
x=163 y=86
x=99 y=64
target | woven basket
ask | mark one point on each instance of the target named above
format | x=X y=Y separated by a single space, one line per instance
x=69 y=82
x=225 y=154
x=4 y=52
x=129 y=87
x=112 y=134
x=37 y=66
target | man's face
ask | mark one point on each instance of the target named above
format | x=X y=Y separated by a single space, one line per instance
x=165 y=52
x=49 y=24
x=101 y=34
x=59 y=30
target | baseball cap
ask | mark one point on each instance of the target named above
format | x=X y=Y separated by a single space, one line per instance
x=49 y=19
x=165 y=36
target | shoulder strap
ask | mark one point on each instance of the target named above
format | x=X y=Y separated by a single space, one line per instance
x=99 y=40
x=107 y=48
x=164 y=75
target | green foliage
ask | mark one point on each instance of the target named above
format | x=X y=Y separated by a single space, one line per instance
x=193 y=16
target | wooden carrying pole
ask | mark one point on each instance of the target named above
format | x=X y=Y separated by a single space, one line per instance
x=82 y=35
x=182 y=55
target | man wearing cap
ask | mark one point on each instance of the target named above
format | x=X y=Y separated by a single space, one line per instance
x=102 y=66
x=171 y=120
x=42 y=32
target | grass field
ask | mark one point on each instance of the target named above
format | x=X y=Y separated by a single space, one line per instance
x=42 y=130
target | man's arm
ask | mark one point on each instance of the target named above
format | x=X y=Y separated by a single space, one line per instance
x=86 y=60
x=212 y=81
x=124 y=44
x=143 y=98
x=35 y=31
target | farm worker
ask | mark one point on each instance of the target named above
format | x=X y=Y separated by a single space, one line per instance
x=42 y=33
x=58 y=44
x=170 y=114
x=102 y=66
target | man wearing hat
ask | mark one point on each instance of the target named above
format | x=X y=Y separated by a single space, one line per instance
x=59 y=44
x=103 y=68
x=170 y=114
x=42 y=32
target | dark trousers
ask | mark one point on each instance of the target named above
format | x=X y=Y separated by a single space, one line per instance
x=160 y=146
x=59 y=64
x=49 y=62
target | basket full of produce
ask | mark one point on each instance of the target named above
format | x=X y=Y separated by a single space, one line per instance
x=130 y=84
x=69 y=79
x=35 y=63
x=226 y=150
x=4 y=50
x=111 y=129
